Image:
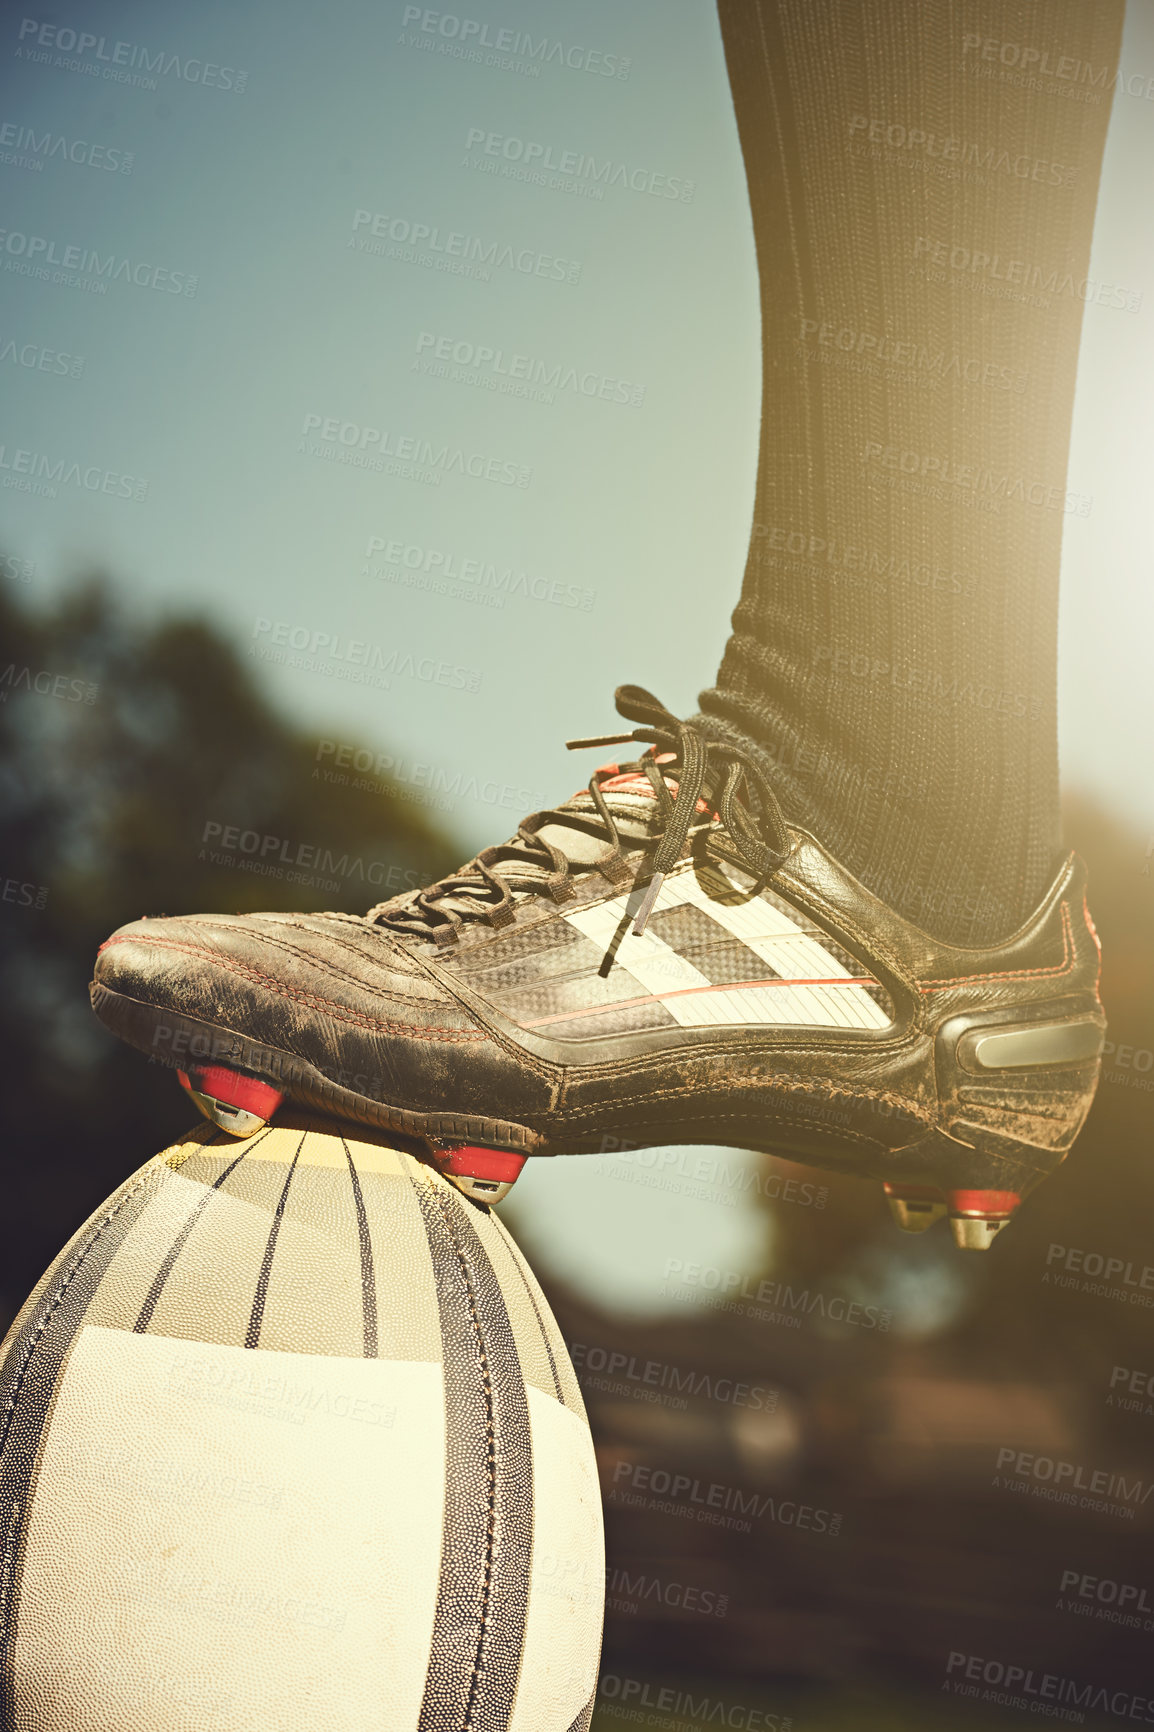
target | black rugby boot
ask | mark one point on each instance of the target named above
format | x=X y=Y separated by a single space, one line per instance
x=662 y=959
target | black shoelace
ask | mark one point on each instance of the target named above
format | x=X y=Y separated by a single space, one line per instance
x=483 y=889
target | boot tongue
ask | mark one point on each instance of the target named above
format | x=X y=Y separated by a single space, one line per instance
x=577 y=830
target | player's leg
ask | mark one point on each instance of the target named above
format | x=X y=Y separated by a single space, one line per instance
x=922 y=181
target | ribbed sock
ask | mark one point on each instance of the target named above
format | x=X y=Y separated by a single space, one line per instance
x=922 y=180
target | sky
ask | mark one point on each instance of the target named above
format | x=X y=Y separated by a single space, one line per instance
x=448 y=450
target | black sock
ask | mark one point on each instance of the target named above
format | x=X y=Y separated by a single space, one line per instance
x=922 y=181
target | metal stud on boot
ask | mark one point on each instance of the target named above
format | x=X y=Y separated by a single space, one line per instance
x=977 y=1217
x=240 y=1105
x=915 y=1207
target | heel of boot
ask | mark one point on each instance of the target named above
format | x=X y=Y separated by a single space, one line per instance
x=1014 y=1087
x=1022 y=1074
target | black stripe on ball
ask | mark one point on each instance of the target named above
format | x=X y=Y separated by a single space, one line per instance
x=486 y=1551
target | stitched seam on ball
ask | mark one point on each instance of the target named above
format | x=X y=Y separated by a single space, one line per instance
x=491 y=1462
x=58 y=1298
x=11 y=1547
x=516 y=1260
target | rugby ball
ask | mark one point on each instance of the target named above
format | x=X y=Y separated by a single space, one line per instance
x=289 y=1437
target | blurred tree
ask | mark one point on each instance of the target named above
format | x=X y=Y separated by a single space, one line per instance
x=121 y=742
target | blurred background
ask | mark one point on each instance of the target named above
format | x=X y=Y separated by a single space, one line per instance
x=286 y=545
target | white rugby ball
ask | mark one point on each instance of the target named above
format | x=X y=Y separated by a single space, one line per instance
x=289 y=1437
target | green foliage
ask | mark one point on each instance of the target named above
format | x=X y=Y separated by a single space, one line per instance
x=121 y=743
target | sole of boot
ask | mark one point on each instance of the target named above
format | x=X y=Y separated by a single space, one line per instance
x=932 y=1158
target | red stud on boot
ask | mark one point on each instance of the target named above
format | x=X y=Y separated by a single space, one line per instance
x=240 y=1105
x=977 y=1217
x=485 y=1175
